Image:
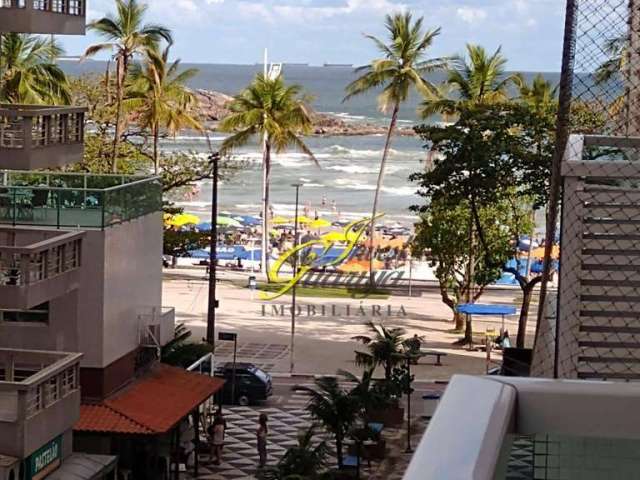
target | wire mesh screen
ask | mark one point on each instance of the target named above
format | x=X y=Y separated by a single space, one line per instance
x=595 y=332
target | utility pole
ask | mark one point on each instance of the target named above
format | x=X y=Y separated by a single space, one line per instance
x=213 y=302
x=295 y=272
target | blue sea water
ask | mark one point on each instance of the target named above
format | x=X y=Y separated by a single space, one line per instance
x=345 y=183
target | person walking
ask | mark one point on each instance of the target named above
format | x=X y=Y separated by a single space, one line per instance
x=261 y=435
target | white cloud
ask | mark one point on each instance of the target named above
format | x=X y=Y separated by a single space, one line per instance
x=471 y=15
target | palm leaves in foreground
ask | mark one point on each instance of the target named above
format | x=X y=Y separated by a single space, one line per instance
x=305 y=460
x=401 y=69
x=277 y=113
x=159 y=95
x=29 y=72
x=334 y=408
x=481 y=79
x=385 y=345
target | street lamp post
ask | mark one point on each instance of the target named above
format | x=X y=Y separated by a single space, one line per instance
x=295 y=271
x=213 y=302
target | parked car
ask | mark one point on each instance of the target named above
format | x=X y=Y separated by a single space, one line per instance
x=252 y=384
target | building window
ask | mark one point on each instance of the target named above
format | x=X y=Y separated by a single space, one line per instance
x=38 y=314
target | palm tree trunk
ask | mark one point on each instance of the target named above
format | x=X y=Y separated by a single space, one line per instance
x=156 y=135
x=121 y=75
x=266 y=170
x=383 y=163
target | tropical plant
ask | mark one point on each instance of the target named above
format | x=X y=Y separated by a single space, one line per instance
x=275 y=113
x=334 y=408
x=181 y=353
x=161 y=101
x=385 y=347
x=616 y=49
x=29 y=74
x=366 y=391
x=397 y=73
x=305 y=460
x=480 y=80
x=540 y=95
x=126 y=37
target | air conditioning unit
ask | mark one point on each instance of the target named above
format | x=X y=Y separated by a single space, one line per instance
x=10 y=468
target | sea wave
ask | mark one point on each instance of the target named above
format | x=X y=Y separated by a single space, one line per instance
x=361 y=169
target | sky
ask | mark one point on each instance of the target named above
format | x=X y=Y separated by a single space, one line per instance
x=331 y=31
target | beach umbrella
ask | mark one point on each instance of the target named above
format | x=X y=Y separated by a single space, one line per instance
x=204 y=226
x=182 y=219
x=280 y=220
x=303 y=220
x=353 y=267
x=539 y=252
x=228 y=222
x=320 y=223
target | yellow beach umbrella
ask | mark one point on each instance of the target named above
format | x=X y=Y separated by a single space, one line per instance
x=352 y=267
x=182 y=219
x=303 y=220
x=280 y=220
x=320 y=223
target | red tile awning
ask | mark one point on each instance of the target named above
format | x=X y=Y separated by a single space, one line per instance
x=151 y=405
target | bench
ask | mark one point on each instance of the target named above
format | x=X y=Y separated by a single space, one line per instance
x=433 y=353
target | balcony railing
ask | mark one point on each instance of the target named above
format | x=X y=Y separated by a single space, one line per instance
x=39 y=397
x=495 y=428
x=156 y=326
x=76 y=200
x=33 y=137
x=37 y=265
x=62 y=17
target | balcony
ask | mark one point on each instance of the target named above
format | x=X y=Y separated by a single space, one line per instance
x=34 y=137
x=497 y=428
x=37 y=265
x=57 y=17
x=76 y=200
x=39 y=398
x=156 y=326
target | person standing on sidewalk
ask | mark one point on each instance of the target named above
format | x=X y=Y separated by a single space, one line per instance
x=261 y=435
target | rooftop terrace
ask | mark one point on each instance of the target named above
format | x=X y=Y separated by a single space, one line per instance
x=76 y=200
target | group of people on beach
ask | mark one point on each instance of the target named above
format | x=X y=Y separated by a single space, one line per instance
x=217 y=431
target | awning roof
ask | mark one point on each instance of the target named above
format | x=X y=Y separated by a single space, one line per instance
x=82 y=466
x=151 y=405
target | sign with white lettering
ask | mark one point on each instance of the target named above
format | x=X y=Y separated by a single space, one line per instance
x=44 y=460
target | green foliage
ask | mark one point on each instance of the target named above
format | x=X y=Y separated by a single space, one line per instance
x=385 y=346
x=480 y=80
x=178 y=242
x=29 y=73
x=403 y=66
x=307 y=459
x=180 y=353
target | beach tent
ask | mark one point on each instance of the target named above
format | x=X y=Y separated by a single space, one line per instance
x=200 y=254
x=487 y=310
x=232 y=252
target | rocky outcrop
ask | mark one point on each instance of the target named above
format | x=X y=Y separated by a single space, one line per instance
x=213 y=108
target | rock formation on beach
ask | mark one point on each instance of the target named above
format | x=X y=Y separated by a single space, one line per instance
x=213 y=108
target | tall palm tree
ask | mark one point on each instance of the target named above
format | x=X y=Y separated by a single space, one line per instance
x=334 y=408
x=481 y=79
x=277 y=113
x=159 y=97
x=28 y=73
x=397 y=73
x=126 y=36
x=385 y=347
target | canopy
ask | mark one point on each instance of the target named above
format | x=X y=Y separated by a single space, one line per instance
x=280 y=220
x=222 y=221
x=486 y=309
x=320 y=223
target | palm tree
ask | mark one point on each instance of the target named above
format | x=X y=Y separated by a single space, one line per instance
x=29 y=74
x=334 y=408
x=540 y=95
x=158 y=96
x=306 y=459
x=385 y=346
x=126 y=37
x=270 y=110
x=481 y=79
x=397 y=73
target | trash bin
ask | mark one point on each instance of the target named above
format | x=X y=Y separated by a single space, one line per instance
x=252 y=282
x=431 y=400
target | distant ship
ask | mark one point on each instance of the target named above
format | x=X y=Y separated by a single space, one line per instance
x=290 y=64
x=343 y=65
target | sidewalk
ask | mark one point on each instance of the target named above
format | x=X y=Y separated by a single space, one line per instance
x=323 y=343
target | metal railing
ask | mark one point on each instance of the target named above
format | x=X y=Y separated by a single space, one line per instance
x=43 y=260
x=76 y=200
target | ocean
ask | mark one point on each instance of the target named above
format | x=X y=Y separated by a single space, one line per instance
x=343 y=186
